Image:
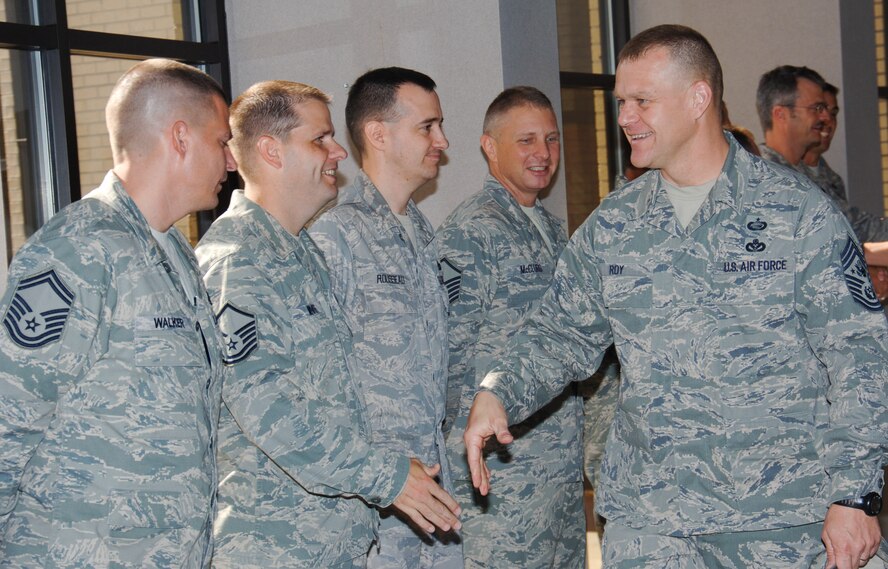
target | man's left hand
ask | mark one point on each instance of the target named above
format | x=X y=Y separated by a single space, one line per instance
x=851 y=537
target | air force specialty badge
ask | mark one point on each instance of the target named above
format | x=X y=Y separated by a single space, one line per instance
x=451 y=278
x=239 y=334
x=857 y=277
x=38 y=310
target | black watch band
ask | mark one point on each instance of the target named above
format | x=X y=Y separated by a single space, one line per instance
x=871 y=504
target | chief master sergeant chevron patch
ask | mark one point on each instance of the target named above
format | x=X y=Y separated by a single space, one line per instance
x=857 y=277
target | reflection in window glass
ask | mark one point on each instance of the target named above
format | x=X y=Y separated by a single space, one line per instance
x=24 y=177
x=585 y=151
x=148 y=18
x=16 y=12
x=93 y=79
x=579 y=36
x=882 y=81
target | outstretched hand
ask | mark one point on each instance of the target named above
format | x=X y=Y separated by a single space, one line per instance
x=425 y=502
x=487 y=418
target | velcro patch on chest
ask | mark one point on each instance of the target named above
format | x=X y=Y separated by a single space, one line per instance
x=38 y=310
x=857 y=277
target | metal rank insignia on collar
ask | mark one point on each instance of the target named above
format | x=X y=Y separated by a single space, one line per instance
x=38 y=310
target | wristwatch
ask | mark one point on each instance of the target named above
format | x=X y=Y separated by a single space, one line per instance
x=871 y=504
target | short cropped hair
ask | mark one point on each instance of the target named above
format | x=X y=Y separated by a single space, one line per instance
x=780 y=86
x=268 y=108
x=511 y=98
x=687 y=48
x=831 y=89
x=374 y=97
x=151 y=89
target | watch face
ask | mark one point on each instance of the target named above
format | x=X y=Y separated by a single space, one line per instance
x=872 y=503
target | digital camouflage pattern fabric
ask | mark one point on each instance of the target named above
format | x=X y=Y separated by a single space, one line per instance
x=110 y=381
x=867 y=227
x=501 y=265
x=753 y=383
x=395 y=308
x=294 y=460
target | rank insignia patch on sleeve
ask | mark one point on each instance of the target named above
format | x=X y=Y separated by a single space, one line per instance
x=239 y=334
x=38 y=310
x=857 y=277
x=451 y=278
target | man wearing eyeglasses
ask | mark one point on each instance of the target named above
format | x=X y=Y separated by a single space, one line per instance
x=795 y=106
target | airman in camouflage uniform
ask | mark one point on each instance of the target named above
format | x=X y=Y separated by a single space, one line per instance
x=110 y=375
x=750 y=402
x=383 y=271
x=297 y=470
x=790 y=147
x=498 y=251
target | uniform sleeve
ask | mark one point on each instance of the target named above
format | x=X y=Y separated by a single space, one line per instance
x=54 y=299
x=868 y=227
x=469 y=271
x=563 y=340
x=601 y=392
x=846 y=329
x=328 y=235
x=305 y=426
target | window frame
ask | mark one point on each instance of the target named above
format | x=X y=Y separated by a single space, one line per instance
x=203 y=20
x=615 y=27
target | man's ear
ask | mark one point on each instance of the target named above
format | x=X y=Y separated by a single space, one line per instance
x=778 y=114
x=488 y=145
x=179 y=138
x=269 y=149
x=701 y=97
x=375 y=134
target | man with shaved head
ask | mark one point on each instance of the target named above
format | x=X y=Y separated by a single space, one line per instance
x=110 y=369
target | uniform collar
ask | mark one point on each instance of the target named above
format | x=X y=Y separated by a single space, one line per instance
x=507 y=201
x=274 y=237
x=112 y=193
x=263 y=226
x=769 y=153
x=654 y=206
x=364 y=191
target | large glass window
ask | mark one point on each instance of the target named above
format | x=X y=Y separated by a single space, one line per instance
x=25 y=176
x=882 y=81
x=59 y=60
x=590 y=32
x=147 y=18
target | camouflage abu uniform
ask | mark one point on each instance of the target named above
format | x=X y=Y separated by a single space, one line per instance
x=750 y=399
x=867 y=227
x=496 y=266
x=292 y=447
x=109 y=413
x=395 y=309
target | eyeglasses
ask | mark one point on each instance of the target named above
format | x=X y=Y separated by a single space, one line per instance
x=818 y=108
